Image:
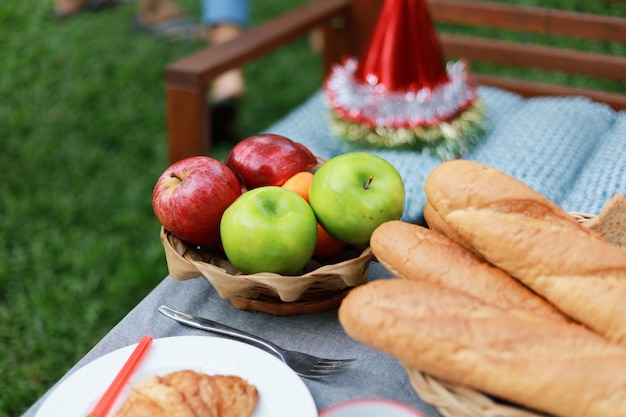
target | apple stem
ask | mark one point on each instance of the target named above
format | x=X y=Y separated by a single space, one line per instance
x=174 y=175
x=369 y=181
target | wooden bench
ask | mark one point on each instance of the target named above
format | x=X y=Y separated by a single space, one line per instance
x=530 y=38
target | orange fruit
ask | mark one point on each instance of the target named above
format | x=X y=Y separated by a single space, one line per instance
x=300 y=183
x=327 y=245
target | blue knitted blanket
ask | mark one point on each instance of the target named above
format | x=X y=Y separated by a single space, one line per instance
x=570 y=149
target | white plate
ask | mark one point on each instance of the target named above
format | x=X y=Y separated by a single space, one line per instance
x=281 y=392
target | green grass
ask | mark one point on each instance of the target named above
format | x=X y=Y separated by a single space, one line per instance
x=82 y=141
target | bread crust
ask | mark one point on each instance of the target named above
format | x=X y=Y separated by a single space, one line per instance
x=518 y=230
x=552 y=366
x=437 y=224
x=414 y=252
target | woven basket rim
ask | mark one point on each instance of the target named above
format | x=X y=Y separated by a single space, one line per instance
x=186 y=262
x=455 y=400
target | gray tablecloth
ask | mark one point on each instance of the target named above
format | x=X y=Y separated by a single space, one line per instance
x=374 y=374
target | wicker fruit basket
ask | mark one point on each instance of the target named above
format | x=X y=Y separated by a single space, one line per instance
x=322 y=286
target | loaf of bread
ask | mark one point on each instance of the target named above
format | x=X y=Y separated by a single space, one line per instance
x=611 y=222
x=414 y=252
x=552 y=366
x=434 y=222
x=518 y=230
x=190 y=394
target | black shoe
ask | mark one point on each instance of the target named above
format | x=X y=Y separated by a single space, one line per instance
x=224 y=118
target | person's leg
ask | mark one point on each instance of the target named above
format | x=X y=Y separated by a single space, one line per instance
x=235 y=12
x=231 y=83
x=152 y=13
x=224 y=21
x=67 y=8
x=165 y=19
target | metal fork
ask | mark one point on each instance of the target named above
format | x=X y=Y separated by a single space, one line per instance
x=303 y=364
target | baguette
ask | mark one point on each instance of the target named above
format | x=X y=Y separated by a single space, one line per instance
x=435 y=223
x=414 y=252
x=551 y=366
x=518 y=230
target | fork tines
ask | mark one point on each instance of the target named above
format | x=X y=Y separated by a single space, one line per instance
x=327 y=367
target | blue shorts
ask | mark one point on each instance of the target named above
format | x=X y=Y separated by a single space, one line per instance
x=225 y=11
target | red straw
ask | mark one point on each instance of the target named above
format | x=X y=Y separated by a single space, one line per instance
x=111 y=394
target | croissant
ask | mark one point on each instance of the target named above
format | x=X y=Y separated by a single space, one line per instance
x=190 y=394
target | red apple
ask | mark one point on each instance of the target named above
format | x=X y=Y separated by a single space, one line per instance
x=268 y=159
x=190 y=197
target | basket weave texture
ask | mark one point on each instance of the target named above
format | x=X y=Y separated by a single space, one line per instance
x=322 y=286
x=454 y=400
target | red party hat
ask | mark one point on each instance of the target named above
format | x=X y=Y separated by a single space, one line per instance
x=404 y=52
x=400 y=93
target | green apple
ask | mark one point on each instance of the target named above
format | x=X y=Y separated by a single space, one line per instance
x=269 y=229
x=353 y=193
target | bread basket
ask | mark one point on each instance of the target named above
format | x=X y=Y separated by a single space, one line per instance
x=455 y=400
x=321 y=286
